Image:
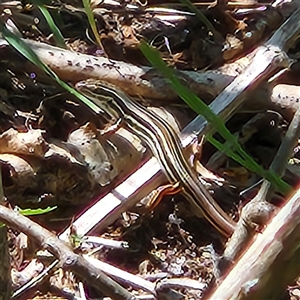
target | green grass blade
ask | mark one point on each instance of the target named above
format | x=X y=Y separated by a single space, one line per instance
x=26 y=51
x=90 y=16
x=202 y=109
x=57 y=35
x=272 y=177
x=35 y=212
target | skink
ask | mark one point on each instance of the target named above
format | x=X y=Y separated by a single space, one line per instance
x=164 y=145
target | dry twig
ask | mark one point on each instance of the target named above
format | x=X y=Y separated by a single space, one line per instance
x=275 y=252
x=68 y=259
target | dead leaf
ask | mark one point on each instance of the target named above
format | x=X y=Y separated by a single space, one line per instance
x=87 y=141
x=28 y=143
